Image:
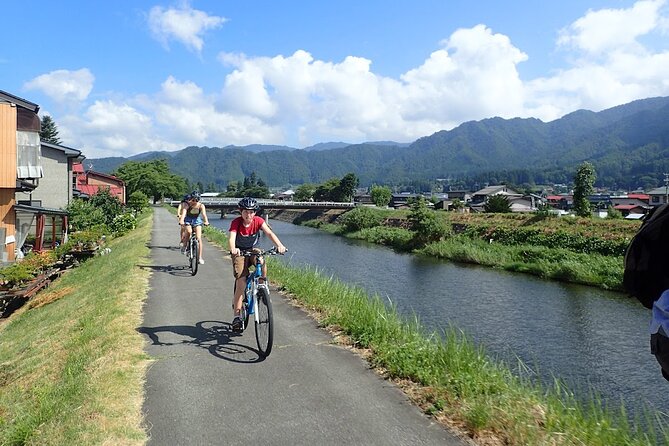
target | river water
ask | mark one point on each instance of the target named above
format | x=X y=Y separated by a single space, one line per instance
x=589 y=338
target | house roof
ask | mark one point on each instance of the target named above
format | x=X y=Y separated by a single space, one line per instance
x=639 y=196
x=69 y=152
x=626 y=207
x=92 y=173
x=92 y=189
x=494 y=190
x=8 y=97
x=39 y=210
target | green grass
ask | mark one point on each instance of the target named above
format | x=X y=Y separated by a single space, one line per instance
x=452 y=379
x=549 y=263
x=559 y=264
x=71 y=362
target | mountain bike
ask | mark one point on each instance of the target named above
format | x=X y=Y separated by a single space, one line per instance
x=257 y=302
x=193 y=253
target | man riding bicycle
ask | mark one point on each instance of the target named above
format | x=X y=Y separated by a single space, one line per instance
x=244 y=235
x=193 y=216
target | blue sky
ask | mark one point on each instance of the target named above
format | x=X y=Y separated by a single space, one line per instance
x=125 y=77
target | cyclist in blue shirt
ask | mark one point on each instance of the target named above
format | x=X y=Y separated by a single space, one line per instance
x=193 y=216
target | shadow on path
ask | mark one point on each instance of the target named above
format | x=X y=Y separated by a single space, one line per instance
x=214 y=336
x=175 y=270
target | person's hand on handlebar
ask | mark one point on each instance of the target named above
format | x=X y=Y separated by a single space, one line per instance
x=282 y=249
x=235 y=252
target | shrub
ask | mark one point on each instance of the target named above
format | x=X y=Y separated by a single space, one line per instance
x=84 y=215
x=138 y=201
x=360 y=218
x=426 y=225
x=109 y=204
x=123 y=223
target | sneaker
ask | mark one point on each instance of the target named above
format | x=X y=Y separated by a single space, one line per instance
x=237 y=324
x=201 y=261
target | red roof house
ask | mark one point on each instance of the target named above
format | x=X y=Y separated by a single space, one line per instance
x=90 y=182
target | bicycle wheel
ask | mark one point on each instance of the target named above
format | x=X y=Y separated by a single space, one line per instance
x=265 y=323
x=194 y=257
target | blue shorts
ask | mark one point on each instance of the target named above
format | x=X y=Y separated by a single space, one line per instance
x=193 y=221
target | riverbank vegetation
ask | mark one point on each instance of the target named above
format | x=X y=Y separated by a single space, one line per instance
x=455 y=381
x=570 y=249
x=72 y=364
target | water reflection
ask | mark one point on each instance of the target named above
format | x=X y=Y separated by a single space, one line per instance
x=586 y=336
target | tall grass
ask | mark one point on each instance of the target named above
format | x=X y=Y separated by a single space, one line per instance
x=71 y=362
x=455 y=381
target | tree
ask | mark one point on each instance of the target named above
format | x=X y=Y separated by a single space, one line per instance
x=583 y=182
x=327 y=191
x=381 y=195
x=49 y=130
x=497 y=204
x=425 y=224
x=153 y=178
x=347 y=187
x=457 y=204
x=305 y=192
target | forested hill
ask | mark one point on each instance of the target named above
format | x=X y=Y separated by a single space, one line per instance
x=628 y=145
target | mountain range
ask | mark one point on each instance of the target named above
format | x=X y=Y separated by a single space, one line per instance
x=628 y=146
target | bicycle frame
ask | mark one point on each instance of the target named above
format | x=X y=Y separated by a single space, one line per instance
x=252 y=285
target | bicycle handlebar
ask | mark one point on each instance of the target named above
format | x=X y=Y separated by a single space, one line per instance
x=272 y=252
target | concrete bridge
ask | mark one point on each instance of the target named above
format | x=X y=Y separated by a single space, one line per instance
x=228 y=204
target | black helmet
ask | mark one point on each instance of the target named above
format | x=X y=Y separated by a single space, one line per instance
x=186 y=197
x=248 y=203
x=195 y=195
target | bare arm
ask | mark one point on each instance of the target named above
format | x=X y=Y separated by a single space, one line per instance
x=204 y=215
x=232 y=238
x=272 y=236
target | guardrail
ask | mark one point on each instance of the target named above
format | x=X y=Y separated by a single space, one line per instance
x=231 y=203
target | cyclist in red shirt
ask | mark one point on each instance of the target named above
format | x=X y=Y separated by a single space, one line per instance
x=244 y=235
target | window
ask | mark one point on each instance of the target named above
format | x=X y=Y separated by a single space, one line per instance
x=28 y=157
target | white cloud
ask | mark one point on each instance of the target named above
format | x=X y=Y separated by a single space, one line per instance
x=185 y=25
x=63 y=85
x=612 y=29
x=108 y=128
x=610 y=66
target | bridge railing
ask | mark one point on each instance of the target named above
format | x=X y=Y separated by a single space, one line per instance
x=275 y=204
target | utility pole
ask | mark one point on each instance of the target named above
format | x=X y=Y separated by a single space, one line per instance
x=666 y=187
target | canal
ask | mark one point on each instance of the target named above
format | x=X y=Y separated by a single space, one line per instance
x=587 y=337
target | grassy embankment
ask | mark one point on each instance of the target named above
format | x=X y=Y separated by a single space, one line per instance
x=569 y=249
x=71 y=361
x=452 y=379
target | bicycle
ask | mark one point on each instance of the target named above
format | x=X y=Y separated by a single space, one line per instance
x=257 y=302
x=193 y=253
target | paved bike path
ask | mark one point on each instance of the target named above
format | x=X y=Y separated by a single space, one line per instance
x=208 y=386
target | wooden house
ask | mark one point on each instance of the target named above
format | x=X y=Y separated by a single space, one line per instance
x=36 y=181
x=20 y=165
